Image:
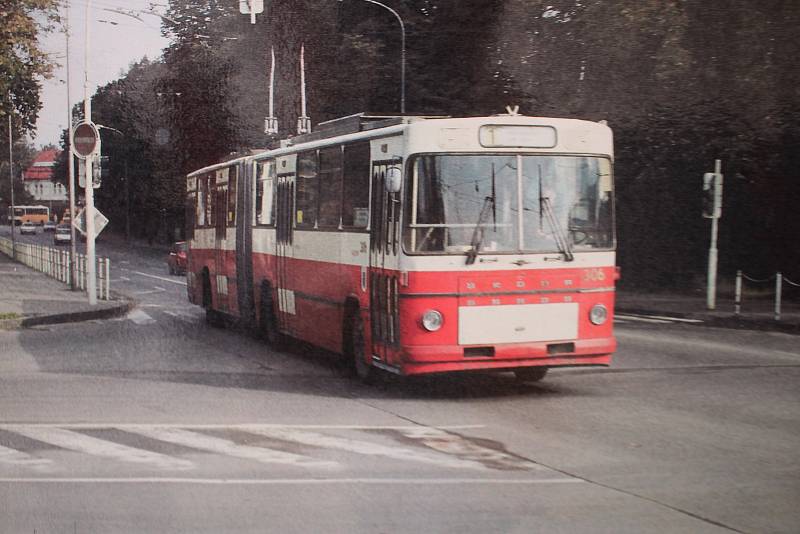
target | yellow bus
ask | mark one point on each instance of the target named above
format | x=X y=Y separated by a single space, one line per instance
x=34 y=214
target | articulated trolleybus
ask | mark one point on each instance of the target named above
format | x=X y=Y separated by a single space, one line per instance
x=417 y=244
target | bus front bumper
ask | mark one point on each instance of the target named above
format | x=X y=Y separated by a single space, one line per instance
x=507 y=357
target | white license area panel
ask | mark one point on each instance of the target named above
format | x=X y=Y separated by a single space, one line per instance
x=523 y=323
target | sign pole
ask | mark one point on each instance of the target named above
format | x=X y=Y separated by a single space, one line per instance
x=91 y=275
x=11 y=183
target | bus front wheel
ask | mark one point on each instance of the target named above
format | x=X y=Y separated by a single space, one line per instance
x=530 y=374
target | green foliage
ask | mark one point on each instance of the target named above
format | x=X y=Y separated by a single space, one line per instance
x=681 y=83
x=22 y=62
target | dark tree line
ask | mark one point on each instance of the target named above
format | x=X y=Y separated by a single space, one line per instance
x=681 y=82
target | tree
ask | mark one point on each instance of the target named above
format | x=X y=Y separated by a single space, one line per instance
x=22 y=62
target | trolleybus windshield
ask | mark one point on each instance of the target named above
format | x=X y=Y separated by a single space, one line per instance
x=457 y=204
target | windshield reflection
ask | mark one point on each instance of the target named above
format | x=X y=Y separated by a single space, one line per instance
x=470 y=204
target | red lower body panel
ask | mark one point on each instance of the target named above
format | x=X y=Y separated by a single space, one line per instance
x=444 y=358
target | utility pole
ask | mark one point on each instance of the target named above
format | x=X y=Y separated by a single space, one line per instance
x=11 y=181
x=73 y=251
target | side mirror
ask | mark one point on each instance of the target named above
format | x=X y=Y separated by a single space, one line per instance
x=394 y=179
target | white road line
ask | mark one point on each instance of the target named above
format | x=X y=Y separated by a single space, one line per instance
x=224 y=446
x=295 y=481
x=642 y=319
x=236 y=426
x=15 y=457
x=677 y=319
x=363 y=447
x=150 y=292
x=453 y=444
x=139 y=317
x=74 y=441
x=179 y=282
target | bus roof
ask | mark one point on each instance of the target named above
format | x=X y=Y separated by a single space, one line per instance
x=364 y=126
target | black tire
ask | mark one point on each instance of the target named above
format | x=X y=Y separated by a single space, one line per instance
x=268 y=321
x=531 y=374
x=213 y=317
x=363 y=369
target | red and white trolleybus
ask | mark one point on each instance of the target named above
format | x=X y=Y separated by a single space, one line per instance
x=417 y=245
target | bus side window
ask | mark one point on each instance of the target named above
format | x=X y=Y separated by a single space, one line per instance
x=202 y=199
x=307 y=196
x=355 y=197
x=232 y=179
x=211 y=202
x=265 y=187
x=330 y=194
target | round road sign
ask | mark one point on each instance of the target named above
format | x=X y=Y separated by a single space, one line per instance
x=84 y=139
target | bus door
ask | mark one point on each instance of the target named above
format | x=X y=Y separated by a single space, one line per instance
x=221 y=238
x=244 y=242
x=384 y=247
x=284 y=219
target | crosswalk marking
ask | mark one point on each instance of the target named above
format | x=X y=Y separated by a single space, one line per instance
x=440 y=448
x=454 y=444
x=76 y=441
x=224 y=446
x=362 y=447
x=15 y=457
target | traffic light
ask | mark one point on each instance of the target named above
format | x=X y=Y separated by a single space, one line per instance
x=712 y=195
x=708 y=195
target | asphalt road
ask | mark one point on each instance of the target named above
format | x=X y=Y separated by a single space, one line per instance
x=156 y=422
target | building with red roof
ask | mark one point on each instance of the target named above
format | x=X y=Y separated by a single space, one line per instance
x=39 y=178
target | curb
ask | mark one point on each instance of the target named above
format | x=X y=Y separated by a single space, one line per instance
x=722 y=321
x=123 y=307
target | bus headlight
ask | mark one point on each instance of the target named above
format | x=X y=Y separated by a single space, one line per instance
x=598 y=314
x=432 y=320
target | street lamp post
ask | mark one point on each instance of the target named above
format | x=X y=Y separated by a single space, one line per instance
x=402 y=52
x=73 y=250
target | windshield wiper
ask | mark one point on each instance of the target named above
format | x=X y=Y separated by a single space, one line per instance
x=477 y=233
x=546 y=207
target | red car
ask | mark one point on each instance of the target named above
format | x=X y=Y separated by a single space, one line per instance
x=176 y=261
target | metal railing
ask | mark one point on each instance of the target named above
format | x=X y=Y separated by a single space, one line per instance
x=55 y=263
x=779 y=280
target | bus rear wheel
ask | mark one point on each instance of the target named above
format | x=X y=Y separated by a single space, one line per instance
x=213 y=317
x=366 y=372
x=267 y=320
x=530 y=374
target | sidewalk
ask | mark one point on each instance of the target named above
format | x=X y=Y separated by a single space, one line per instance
x=29 y=298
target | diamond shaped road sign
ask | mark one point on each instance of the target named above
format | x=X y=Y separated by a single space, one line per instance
x=100 y=222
